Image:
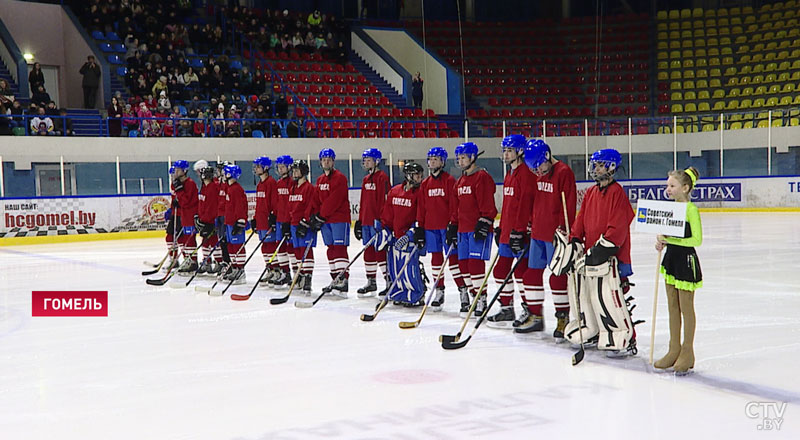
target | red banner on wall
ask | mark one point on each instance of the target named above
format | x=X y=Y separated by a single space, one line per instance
x=69 y=303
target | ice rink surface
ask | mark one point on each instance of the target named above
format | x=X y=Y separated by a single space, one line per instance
x=177 y=364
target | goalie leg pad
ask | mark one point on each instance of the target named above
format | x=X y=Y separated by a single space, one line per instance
x=576 y=289
x=409 y=287
x=611 y=312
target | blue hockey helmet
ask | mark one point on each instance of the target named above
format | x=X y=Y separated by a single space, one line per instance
x=438 y=152
x=327 y=152
x=285 y=160
x=232 y=171
x=263 y=161
x=373 y=153
x=537 y=152
x=182 y=164
x=609 y=158
x=172 y=170
x=468 y=148
x=515 y=141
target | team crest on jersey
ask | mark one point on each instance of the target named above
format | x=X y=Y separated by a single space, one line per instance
x=369 y=186
x=436 y=192
x=401 y=201
x=545 y=186
x=464 y=190
x=296 y=198
x=324 y=186
x=508 y=190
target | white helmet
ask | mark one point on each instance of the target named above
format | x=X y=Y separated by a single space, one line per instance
x=199 y=165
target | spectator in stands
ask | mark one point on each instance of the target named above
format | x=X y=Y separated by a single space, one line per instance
x=281 y=107
x=63 y=124
x=140 y=88
x=247 y=120
x=274 y=41
x=41 y=124
x=233 y=123
x=16 y=111
x=309 y=41
x=169 y=128
x=314 y=19
x=51 y=109
x=164 y=103
x=219 y=120
x=190 y=78
x=286 y=43
x=319 y=42
x=185 y=128
x=132 y=48
x=144 y=112
x=5 y=121
x=160 y=86
x=129 y=120
x=40 y=96
x=175 y=85
x=217 y=81
x=151 y=102
x=340 y=55
x=199 y=126
x=91 y=81
x=258 y=86
x=245 y=81
x=115 y=113
x=6 y=95
x=36 y=78
x=416 y=90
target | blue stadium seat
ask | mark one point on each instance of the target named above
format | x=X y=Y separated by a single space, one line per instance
x=97 y=35
x=120 y=48
x=258 y=134
x=113 y=59
x=182 y=110
x=105 y=47
x=122 y=71
x=236 y=64
x=133 y=133
x=112 y=36
x=196 y=63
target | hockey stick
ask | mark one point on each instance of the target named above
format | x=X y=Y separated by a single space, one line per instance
x=448 y=344
x=197 y=271
x=367 y=318
x=451 y=339
x=237 y=297
x=414 y=324
x=306 y=304
x=159 y=264
x=283 y=299
x=255 y=251
x=171 y=272
x=578 y=356
x=655 y=307
x=210 y=289
x=169 y=251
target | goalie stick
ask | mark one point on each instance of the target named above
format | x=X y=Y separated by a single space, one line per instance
x=578 y=356
x=414 y=324
x=237 y=297
x=210 y=289
x=283 y=299
x=306 y=304
x=367 y=318
x=255 y=251
x=455 y=343
x=452 y=339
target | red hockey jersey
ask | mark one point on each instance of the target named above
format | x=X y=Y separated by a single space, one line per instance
x=518 y=187
x=606 y=212
x=400 y=211
x=209 y=202
x=548 y=213
x=334 y=205
x=283 y=188
x=374 y=188
x=265 y=202
x=223 y=190
x=303 y=201
x=187 y=200
x=474 y=199
x=235 y=204
x=436 y=201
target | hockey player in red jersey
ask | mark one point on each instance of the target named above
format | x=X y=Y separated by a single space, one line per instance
x=435 y=205
x=303 y=205
x=553 y=178
x=186 y=193
x=374 y=188
x=603 y=227
x=397 y=221
x=333 y=220
x=264 y=219
x=283 y=226
x=208 y=204
x=173 y=229
x=235 y=223
x=518 y=187
x=222 y=258
x=472 y=223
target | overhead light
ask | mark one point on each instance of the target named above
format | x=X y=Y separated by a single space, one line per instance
x=27 y=56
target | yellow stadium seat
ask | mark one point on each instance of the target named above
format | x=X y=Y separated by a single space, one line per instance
x=758 y=79
x=769 y=36
x=744 y=80
x=772 y=102
x=688 y=63
x=687 y=44
x=675 y=74
x=686 y=34
x=690 y=108
x=786 y=100
x=770 y=78
x=734 y=92
x=701 y=84
x=718 y=94
x=774 y=89
x=711 y=22
x=763 y=115
x=675 y=54
x=745 y=103
x=661 y=15
x=763 y=124
x=727 y=61
x=732 y=81
x=747 y=124
x=758 y=103
x=757 y=58
x=794 y=122
x=711 y=32
x=675 y=64
x=783 y=66
x=796 y=64
x=741 y=39
x=760 y=90
x=749 y=20
x=701 y=73
x=771 y=46
x=789 y=14
x=699 y=33
x=676 y=96
x=677 y=108
x=699 y=52
x=735 y=11
x=766 y=26
x=777 y=122
x=688 y=74
x=697 y=24
x=745 y=70
x=735 y=126
x=661 y=26
x=730 y=71
x=713 y=51
x=662 y=55
x=790 y=4
x=788 y=88
x=722 y=22
x=703 y=94
x=719 y=105
x=796 y=100
x=687 y=53
x=663 y=76
x=713 y=61
x=709 y=127
x=675 y=85
x=736 y=21
x=674 y=26
x=724 y=41
x=795 y=76
x=688 y=84
x=732 y=104
x=747 y=91
x=697 y=12
x=690 y=96
x=701 y=62
x=663 y=65
x=744 y=59
x=725 y=50
x=709 y=13
x=722 y=12
x=758 y=47
x=723 y=31
x=686 y=13
x=700 y=42
x=703 y=107
x=674 y=14
x=743 y=49
x=662 y=36
x=715 y=82
x=771 y=67
x=674 y=35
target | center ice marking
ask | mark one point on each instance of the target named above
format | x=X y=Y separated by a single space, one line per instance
x=406 y=377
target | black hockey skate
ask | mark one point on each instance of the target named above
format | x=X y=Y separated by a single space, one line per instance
x=502 y=319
